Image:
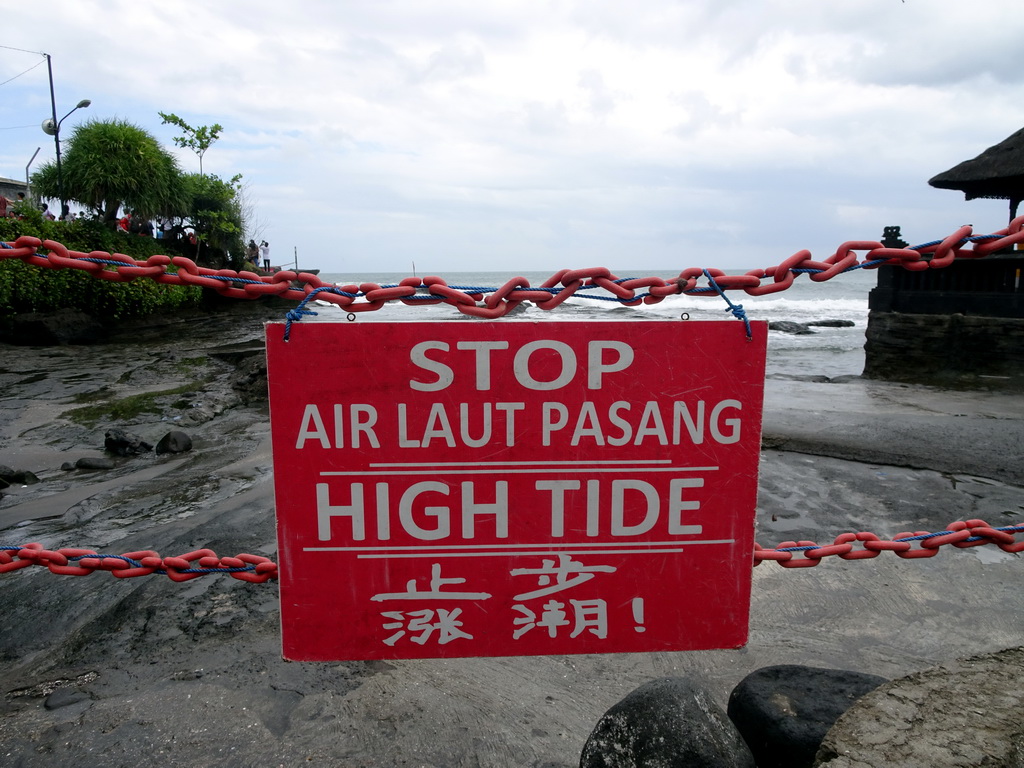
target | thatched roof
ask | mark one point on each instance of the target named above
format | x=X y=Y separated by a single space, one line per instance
x=997 y=172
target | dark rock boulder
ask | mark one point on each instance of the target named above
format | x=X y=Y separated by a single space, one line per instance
x=64 y=696
x=666 y=722
x=831 y=324
x=47 y=329
x=121 y=443
x=16 y=476
x=174 y=441
x=785 y=711
x=91 y=462
x=788 y=326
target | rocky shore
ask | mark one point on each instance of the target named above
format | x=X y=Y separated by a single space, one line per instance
x=122 y=672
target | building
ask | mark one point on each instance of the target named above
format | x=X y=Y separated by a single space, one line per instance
x=10 y=188
x=963 y=323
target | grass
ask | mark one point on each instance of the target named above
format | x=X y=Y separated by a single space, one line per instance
x=127 y=408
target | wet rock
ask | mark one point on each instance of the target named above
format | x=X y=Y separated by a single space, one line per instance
x=62 y=326
x=16 y=476
x=788 y=326
x=962 y=714
x=250 y=379
x=93 y=462
x=64 y=697
x=174 y=441
x=665 y=722
x=122 y=443
x=784 y=712
x=831 y=324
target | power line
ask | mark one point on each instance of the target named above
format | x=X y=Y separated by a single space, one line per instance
x=22 y=50
x=5 y=82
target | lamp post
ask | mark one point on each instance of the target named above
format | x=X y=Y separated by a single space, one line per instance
x=51 y=127
x=28 y=189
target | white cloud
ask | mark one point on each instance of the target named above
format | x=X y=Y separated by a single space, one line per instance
x=510 y=136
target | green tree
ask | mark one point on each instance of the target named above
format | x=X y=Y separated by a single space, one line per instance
x=215 y=212
x=110 y=163
x=197 y=139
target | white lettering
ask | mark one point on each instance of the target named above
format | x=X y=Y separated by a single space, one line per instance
x=312 y=428
x=438 y=426
x=676 y=505
x=483 y=359
x=549 y=424
x=510 y=419
x=521 y=365
x=403 y=431
x=470 y=509
x=363 y=426
x=651 y=424
x=464 y=426
x=558 y=489
x=716 y=414
x=587 y=425
x=418 y=356
x=362 y=419
x=624 y=426
x=441 y=514
x=596 y=367
x=680 y=413
x=325 y=511
x=619 y=526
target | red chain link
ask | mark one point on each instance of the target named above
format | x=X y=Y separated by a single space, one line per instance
x=191 y=565
x=179 y=270
x=297 y=286
x=864 y=545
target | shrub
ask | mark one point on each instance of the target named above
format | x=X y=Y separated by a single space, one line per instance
x=26 y=288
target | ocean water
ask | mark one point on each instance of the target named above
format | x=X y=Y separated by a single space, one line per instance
x=827 y=352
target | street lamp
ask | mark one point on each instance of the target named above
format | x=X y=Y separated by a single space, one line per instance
x=51 y=127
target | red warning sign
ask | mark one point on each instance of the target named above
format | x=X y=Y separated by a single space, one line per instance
x=495 y=489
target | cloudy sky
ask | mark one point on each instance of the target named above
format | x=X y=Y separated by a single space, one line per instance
x=512 y=136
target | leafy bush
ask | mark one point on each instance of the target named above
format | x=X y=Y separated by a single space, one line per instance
x=26 y=288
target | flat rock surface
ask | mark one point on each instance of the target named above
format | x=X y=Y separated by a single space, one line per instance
x=156 y=670
x=967 y=713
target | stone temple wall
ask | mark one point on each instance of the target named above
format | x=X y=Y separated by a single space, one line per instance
x=945 y=349
x=960 y=325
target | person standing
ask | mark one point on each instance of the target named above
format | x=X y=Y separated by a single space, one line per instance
x=265 y=254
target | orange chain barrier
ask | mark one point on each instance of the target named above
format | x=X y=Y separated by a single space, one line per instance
x=555 y=290
x=179 y=270
x=257 y=569
x=864 y=545
x=192 y=565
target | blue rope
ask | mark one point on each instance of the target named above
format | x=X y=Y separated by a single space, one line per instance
x=296 y=314
x=971 y=239
x=736 y=309
x=922 y=537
